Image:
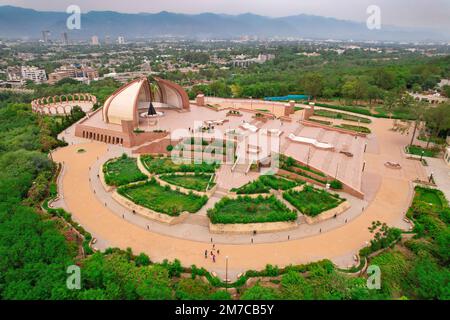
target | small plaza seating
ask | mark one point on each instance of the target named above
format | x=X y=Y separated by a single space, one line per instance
x=310 y=141
x=249 y=127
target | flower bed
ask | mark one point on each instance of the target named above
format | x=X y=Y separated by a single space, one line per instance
x=121 y=171
x=311 y=201
x=250 y=210
x=162 y=199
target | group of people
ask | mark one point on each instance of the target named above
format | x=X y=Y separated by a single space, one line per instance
x=212 y=253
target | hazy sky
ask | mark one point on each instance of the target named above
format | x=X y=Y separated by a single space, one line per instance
x=415 y=13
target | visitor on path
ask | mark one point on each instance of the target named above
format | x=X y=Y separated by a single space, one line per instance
x=206 y=254
x=320 y=231
x=214 y=258
x=218 y=251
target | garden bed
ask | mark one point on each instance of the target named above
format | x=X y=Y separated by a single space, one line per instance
x=354 y=128
x=417 y=151
x=250 y=210
x=311 y=201
x=264 y=183
x=121 y=171
x=161 y=199
x=160 y=165
x=340 y=115
x=198 y=181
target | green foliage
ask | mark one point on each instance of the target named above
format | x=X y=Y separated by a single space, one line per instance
x=336 y=184
x=252 y=187
x=354 y=128
x=159 y=165
x=417 y=150
x=250 y=210
x=197 y=181
x=121 y=171
x=152 y=195
x=259 y=292
x=311 y=201
x=192 y=289
x=340 y=115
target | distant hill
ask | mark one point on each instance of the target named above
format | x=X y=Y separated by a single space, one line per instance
x=18 y=22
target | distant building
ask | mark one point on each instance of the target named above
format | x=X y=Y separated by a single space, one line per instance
x=13 y=73
x=121 y=40
x=46 y=36
x=82 y=73
x=65 y=38
x=241 y=62
x=94 y=41
x=34 y=74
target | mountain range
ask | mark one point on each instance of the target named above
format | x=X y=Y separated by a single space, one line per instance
x=22 y=23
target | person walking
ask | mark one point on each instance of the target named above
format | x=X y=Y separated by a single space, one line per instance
x=206 y=254
x=214 y=258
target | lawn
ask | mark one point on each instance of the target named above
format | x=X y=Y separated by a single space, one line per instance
x=250 y=210
x=159 y=165
x=122 y=171
x=417 y=150
x=198 y=182
x=311 y=201
x=162 y=199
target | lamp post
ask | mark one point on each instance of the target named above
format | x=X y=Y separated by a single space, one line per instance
x=226 y=273
x=421 y=155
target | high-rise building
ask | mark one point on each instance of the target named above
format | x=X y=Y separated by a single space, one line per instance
x=46 y=36
x=121 y=40
x=94 y=41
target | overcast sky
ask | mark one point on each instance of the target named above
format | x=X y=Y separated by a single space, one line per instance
x=412 y=13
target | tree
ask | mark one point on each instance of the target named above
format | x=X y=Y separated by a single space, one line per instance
x=437 y=119
x=446 y=91
x=417 y=110
x=313 y=84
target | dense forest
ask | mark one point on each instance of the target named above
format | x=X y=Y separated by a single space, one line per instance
x=36 y=247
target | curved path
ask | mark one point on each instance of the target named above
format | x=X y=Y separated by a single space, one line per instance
x=388 y=204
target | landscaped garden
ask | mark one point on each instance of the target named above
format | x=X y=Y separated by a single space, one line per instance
x=250 y=210
x=311 y=201
x=264 y=183
x=199 y=181
x=419 y=151
x=152 y=195
x=159 y=165
x=122 y=171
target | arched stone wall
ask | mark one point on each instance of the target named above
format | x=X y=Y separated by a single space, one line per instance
x=63 y=104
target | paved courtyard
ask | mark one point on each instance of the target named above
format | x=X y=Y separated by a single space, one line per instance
x=388 y=195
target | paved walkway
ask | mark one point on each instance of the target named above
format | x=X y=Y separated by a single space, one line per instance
x=441 y=174
x=389 y=202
